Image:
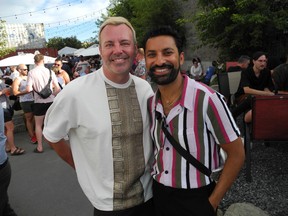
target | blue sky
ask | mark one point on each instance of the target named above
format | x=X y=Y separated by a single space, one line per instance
x=62 y=18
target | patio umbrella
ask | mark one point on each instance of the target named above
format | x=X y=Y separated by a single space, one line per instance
x=25 y=58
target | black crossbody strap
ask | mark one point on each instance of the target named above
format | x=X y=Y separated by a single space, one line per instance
x=48 y=84
x=185 y=154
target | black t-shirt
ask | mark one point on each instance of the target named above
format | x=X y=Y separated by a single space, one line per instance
x=234 y=69
x=248 y=79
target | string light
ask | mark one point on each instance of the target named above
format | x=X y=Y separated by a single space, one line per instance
x=25 y=13
x=66 y=26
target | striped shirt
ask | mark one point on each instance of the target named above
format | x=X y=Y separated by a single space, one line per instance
x=199 y=122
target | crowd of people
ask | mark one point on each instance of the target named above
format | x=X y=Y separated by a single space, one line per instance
x=17 y=85
x=135 y=151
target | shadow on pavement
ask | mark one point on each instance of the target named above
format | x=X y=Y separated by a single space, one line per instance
x=43 y=184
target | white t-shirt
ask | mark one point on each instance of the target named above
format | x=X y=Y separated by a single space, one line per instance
x=196 y=71
x=90 y=110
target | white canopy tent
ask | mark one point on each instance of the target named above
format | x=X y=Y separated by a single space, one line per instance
x=67 y=51
x=78 y=51
x=90 y=51
x=23 y=58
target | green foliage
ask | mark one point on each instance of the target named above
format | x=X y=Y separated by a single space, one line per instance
x=58 y=42
x=147 y=14
x=243 y=26
x=4 y=50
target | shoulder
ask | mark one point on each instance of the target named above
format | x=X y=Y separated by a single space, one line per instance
x=139 y=81
x=142 y=85
x=202 y=90
x=63 y=71
x=17 y=80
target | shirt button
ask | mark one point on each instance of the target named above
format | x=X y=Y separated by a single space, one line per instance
x=166 y=171
x=167 y=149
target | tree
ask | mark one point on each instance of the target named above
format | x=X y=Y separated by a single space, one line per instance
x=243 y=26
x=4 y=50
x=146 y=14
x=58 y=42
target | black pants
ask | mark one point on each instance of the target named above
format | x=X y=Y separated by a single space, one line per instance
x=141 y=210
x=243 y=105
x=174 y=201
x=5 y=176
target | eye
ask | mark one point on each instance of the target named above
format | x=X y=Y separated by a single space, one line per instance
x=108 y=45
x=125 y=43
x=150 y=55
x=168 y=52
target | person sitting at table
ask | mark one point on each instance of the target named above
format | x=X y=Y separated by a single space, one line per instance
x=280 y=79
x=255 y=80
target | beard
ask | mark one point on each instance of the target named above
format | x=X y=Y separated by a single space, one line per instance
x=164 y=79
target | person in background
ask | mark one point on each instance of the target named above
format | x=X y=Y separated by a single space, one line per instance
x=82 y=69
x=242 y=64
x=36 y=81
x=108 y=127
x=14 y=72
x=67 y=65
x=255 y=80
x=140 y=69
x=5 y=173
x=280 y=79
x=26 y=100
x=198 y=118
x=8 y=122
x=196 y=71
x=209 y=73
x=62 y=75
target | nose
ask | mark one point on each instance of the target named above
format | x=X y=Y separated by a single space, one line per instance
x=159 y=60
x=118 y=48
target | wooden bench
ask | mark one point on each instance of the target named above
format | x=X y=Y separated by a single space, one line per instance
x=269 y=123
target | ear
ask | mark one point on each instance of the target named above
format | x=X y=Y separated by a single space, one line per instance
x=181 y=58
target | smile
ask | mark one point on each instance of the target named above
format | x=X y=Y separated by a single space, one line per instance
x=161 y=71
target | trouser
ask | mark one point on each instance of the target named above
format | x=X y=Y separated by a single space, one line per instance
x=244 y=104
x=145 y=209
x=5 y=176
x=175 y=201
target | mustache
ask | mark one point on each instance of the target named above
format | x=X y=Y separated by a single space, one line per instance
x=168 y=66
x=113 y=57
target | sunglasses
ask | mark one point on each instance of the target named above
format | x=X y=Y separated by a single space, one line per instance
x=57 y=64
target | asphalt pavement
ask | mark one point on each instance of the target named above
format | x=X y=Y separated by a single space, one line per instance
x=43 y=184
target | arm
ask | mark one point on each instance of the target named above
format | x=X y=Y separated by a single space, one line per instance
x=29 y=87
x=192 y=70
x=66 y=77
x=62 y=148
x=55 y=85
x=201 y=70
x=283 y=92
x=235 y=160
x=4 y=91
x=15 y=88
x=266 y=92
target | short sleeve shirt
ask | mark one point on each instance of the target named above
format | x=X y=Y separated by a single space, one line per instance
x=248 y=79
